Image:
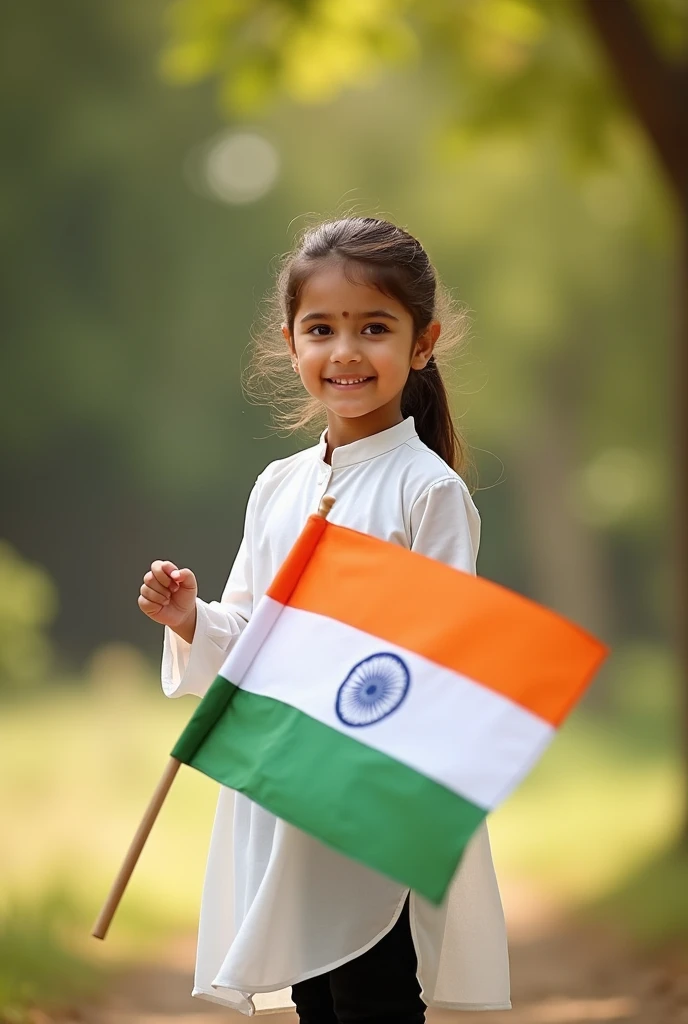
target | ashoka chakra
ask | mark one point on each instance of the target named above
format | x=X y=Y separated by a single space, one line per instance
x=373 y=689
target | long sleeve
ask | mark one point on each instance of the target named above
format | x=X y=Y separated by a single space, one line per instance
x=445 y=524
x=191 y=668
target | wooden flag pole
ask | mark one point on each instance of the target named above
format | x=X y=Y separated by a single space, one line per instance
x=326 y=503
x=101 y=926
x=106 y=915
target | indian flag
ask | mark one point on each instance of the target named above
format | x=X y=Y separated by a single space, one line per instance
x=385 y=702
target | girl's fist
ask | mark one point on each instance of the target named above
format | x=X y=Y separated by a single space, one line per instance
x=168 y=595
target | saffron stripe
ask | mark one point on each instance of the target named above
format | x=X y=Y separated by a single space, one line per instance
x=467 y=624
x=292 y=568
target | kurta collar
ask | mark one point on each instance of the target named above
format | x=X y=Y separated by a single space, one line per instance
x=368 y=447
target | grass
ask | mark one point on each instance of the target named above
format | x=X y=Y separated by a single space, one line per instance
x=83 y=764
x=589 y=814
x=597 y=821
x=652 y=903
x=593 y=821
x=38 y=965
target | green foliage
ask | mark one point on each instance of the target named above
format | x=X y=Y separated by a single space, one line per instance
x=28 y=604
x=260 y=49
x=131 y=289
x=39 y=965
x=505 y=64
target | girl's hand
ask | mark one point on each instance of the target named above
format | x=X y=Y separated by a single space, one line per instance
x=168 y=596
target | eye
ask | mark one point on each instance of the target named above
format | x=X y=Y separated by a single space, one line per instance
x=384 y=329
x=320 y=327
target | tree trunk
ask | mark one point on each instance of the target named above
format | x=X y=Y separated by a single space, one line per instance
x=681 y=502
x=656 y=92
x=567 y=557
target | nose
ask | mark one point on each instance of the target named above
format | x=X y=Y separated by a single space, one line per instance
x=345 y=349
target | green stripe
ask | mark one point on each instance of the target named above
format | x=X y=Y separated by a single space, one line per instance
x=204 y=718
x=395 y=820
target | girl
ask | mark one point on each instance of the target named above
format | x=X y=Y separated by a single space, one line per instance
x=359 y=307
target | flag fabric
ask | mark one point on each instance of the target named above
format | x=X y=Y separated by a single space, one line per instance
x=385 y=702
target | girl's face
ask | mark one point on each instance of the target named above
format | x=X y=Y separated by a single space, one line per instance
x=353 y=348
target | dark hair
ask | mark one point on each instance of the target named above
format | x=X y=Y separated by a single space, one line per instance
x=378 y=253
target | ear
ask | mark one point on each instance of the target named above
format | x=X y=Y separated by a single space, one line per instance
x=425 y=343
x=290 y=345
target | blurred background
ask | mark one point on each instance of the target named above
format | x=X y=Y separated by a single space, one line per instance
x=157 y=158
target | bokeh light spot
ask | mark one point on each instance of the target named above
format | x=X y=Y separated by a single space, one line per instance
x=238 y=167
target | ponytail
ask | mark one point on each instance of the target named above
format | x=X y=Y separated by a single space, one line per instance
x=425 y=398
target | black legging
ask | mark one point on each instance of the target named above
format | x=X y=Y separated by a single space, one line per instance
x=377 y=987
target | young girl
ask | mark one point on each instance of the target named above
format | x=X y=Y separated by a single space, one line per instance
x=360 y=309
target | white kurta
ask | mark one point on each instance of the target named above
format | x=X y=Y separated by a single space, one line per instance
x=279 y=906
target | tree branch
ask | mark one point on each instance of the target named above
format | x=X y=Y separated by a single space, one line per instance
x=654 y=88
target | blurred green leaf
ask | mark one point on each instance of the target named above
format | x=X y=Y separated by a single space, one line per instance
x=28 y=604
x=524 y=63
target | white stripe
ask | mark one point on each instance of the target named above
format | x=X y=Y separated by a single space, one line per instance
x=449 y=727
x=251 y=639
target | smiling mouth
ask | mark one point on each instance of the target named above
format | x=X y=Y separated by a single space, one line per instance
x=348 y=382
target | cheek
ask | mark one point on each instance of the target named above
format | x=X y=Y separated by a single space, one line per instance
x=311 y=361
x=392 y=361
x=309 y=356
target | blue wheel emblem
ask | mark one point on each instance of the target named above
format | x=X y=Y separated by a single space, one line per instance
x=373 y=689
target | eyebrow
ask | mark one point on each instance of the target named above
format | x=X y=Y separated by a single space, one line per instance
x=329 y=316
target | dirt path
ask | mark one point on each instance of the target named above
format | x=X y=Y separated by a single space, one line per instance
x=562 y=973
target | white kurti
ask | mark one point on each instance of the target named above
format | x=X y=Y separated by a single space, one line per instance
x=278 y=906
